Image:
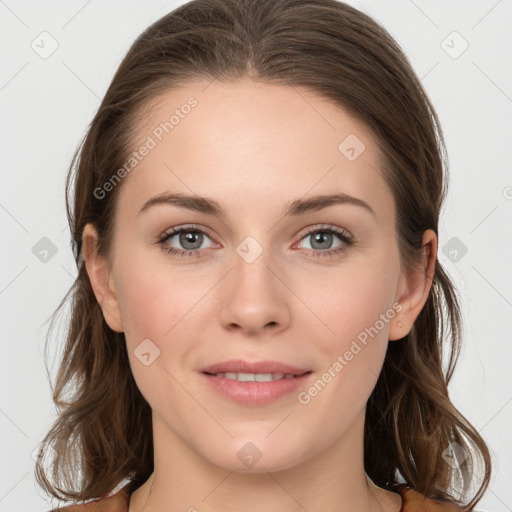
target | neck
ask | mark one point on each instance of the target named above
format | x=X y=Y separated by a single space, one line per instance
x=332 y=480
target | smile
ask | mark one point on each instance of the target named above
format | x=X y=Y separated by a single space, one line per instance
x=255 y=388
x=255 y=377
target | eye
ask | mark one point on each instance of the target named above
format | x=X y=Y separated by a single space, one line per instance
x=321 y=242
x=190 y=238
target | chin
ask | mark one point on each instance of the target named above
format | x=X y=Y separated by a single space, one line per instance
x=258 y=455
x=268 y=466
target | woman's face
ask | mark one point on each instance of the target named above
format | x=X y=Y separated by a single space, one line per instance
x=277 y=284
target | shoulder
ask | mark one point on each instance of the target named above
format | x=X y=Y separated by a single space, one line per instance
x=413 y=501
x=117 y=502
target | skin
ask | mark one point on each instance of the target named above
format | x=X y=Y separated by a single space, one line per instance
x=255 y=147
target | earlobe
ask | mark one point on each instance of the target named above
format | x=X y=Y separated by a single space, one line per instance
x=416 y=286
x=98 y=270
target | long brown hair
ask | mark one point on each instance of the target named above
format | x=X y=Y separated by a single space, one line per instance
x=103 y=432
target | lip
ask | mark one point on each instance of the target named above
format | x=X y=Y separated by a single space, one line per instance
x=240 y=365
x=254 y=393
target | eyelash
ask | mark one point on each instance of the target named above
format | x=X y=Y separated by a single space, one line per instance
x=340 y=233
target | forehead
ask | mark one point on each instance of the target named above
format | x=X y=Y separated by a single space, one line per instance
x=242 y=142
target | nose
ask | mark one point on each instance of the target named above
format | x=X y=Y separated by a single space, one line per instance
x=255 y=299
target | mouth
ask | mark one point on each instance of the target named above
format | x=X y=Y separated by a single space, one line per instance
x=254 y=383
x=241 y=366
x=254 y=377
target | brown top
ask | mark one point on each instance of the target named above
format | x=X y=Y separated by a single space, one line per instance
x=412 y=501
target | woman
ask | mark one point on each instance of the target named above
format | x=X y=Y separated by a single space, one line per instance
x=259 y=316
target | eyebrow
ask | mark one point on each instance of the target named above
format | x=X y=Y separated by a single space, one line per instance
x=293 y=208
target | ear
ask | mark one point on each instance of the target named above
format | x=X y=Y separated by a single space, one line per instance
x=102 y=283
x=414 y=288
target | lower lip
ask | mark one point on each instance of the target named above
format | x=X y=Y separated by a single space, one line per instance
x=255 y=393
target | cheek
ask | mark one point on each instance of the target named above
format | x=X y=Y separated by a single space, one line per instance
x=144 y=311
x=161 y=303
x=355 y=315
x=353 y=303
x=153 y=297
x=154 y=313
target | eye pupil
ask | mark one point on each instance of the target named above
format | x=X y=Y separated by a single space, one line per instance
x=321 y=237
x=187 y=237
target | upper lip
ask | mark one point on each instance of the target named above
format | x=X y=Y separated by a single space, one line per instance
x=239 y=365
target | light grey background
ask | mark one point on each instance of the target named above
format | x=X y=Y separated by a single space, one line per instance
x=47 y=103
